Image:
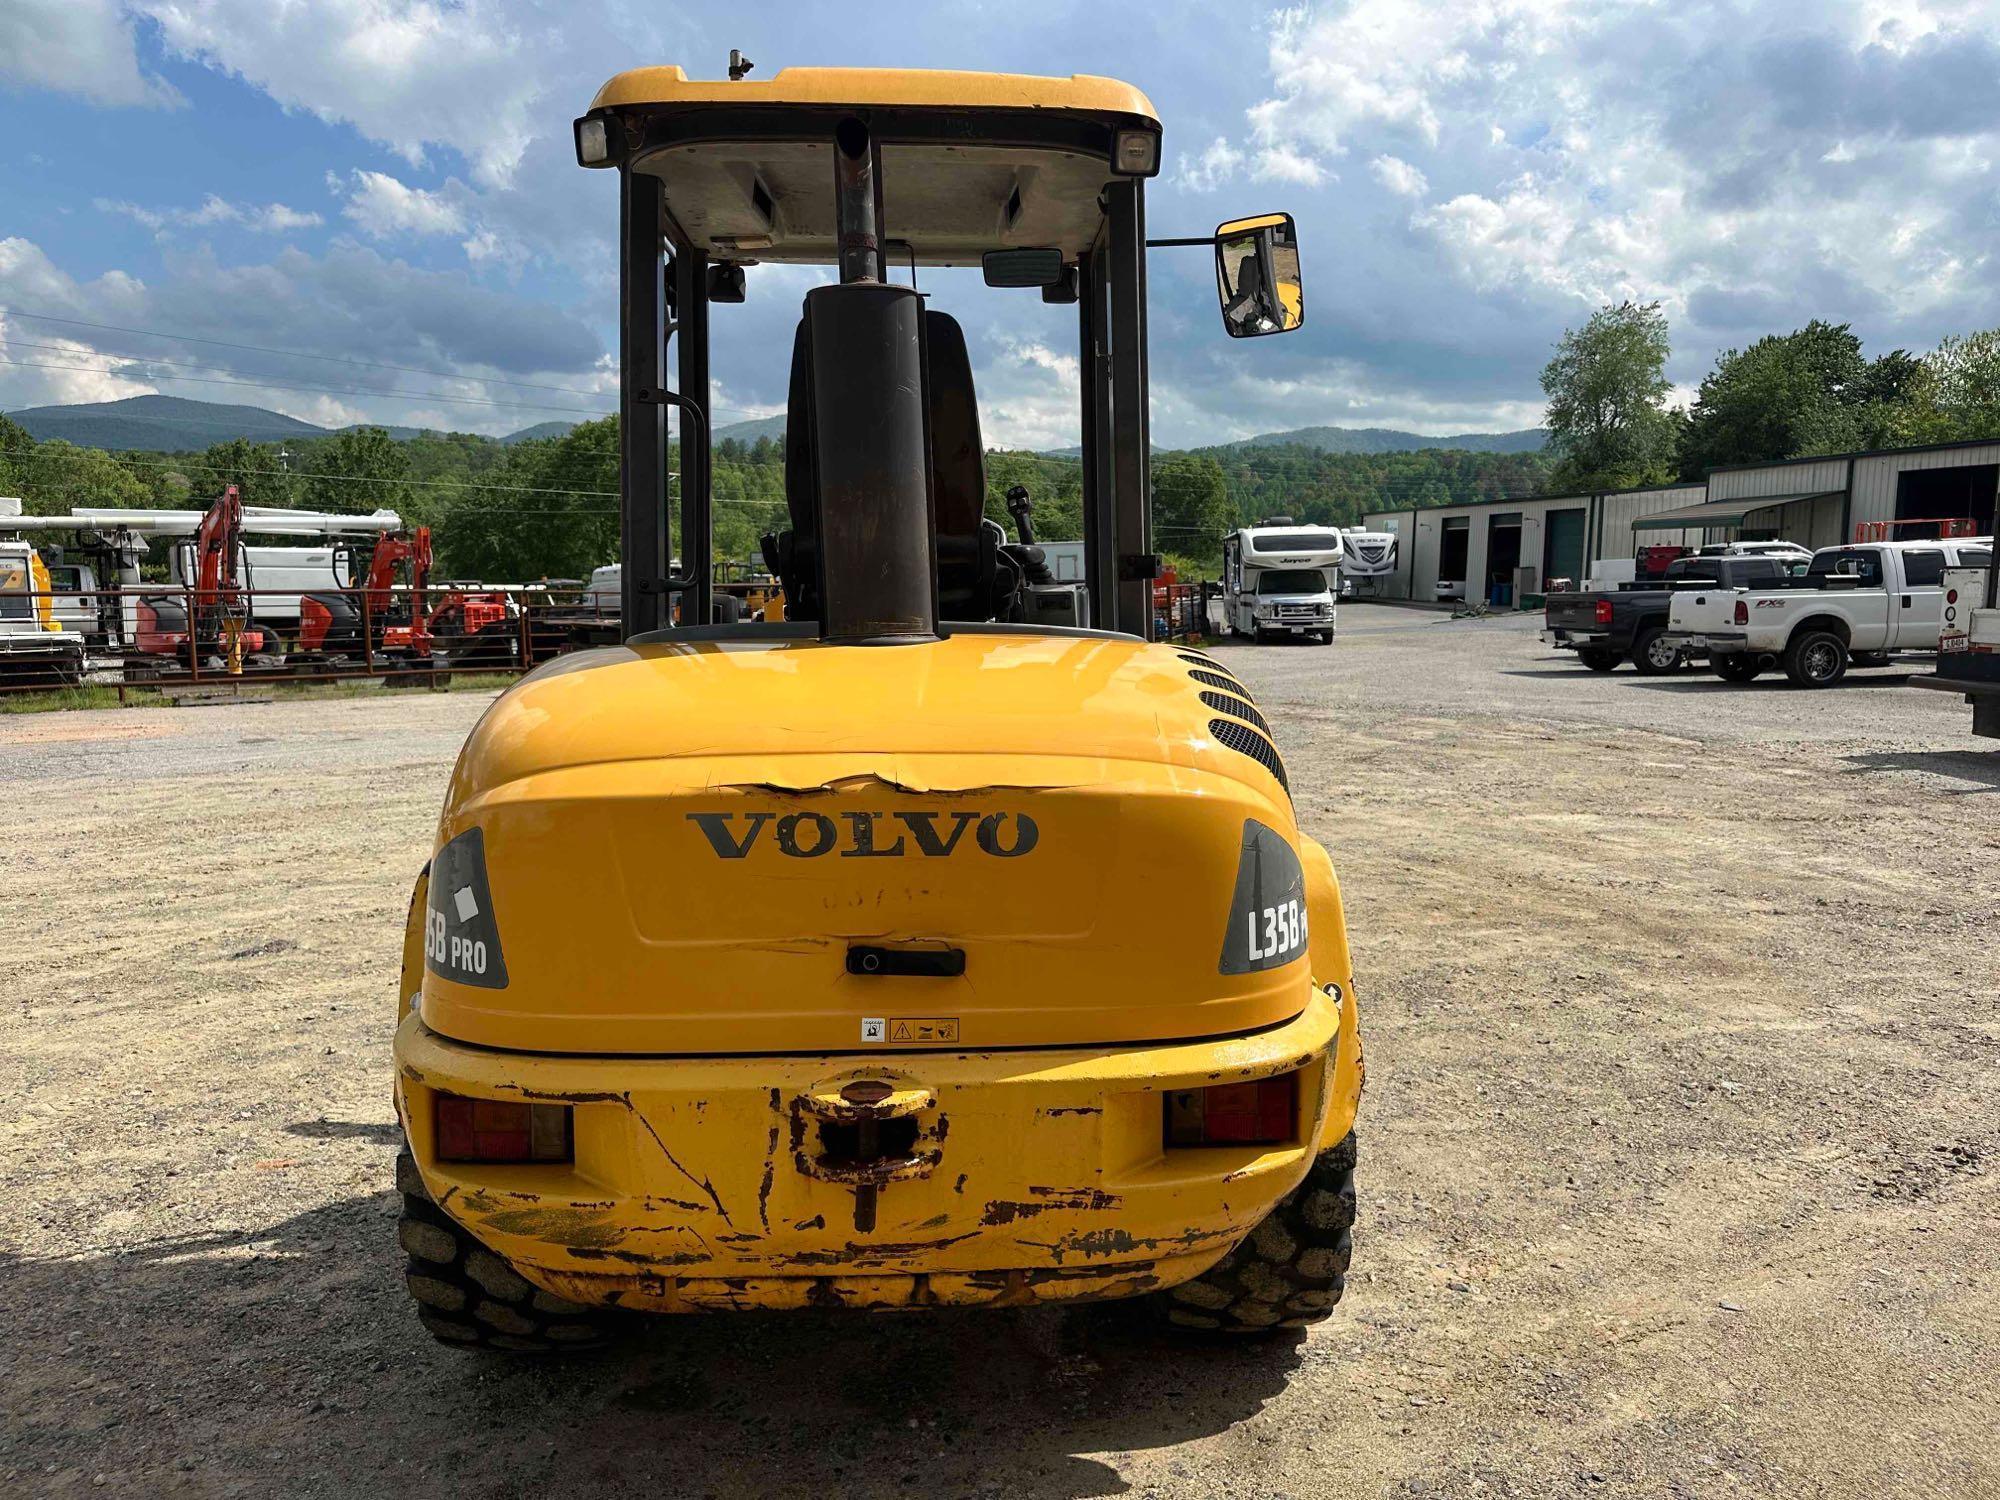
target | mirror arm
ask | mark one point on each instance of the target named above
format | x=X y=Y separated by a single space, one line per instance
x=1207 y=239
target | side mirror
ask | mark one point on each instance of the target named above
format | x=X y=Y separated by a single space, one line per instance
x=1257 y=276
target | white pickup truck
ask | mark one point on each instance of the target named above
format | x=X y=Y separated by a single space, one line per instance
x=1854 y=604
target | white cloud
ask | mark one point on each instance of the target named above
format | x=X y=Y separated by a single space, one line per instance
x=1399 y=177
x=1217 y=166
x=356 y=310
x=82 y=47
x=384 y=207
x=484 y=78
x=266 y=218
x=1030 y=396
x=1736 y=164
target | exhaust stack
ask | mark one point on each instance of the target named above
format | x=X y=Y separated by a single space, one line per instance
x=870 y=419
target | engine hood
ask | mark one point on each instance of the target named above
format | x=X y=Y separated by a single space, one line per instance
x=693 y=848
x=969 y=694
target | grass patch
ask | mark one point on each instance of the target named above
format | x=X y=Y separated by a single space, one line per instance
x=95 y=695
x=57 y=699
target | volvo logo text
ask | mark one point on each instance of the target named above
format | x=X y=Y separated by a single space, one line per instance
x=870 y=835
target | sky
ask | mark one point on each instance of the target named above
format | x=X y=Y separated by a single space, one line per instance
x=384 y=193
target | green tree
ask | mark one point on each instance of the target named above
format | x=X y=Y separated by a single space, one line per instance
x=1953 y=393
x=1785 y=396
x=1609 y=426
x=57 y=477
x=17 y=451
x=256 y=469
x=1192 y=510
x=550 y=512
x=361 y=469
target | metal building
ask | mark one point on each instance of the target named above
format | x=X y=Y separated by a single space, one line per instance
x=1824 y=501
x=1467 y=551
x=1463 y=551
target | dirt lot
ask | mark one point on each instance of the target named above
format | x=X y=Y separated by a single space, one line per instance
x=1678 y=1158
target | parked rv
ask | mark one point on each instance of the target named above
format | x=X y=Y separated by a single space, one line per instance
x=1365 y=556
x=1278 y=579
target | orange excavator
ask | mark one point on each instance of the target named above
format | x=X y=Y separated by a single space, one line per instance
x=220 y=632
x=409 y=626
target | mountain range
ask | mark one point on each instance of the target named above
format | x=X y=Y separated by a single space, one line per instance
x=1393 y=440
x=174 y=424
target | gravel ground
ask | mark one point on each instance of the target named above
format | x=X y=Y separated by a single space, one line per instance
x=1677 y=1164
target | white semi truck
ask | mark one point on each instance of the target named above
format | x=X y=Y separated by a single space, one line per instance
x=1279 y=578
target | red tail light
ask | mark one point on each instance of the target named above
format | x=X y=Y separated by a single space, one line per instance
x=499 y=1130
x=1264 y=1113
x=1603 y=612
x=1742 y=611
x=1951 y=596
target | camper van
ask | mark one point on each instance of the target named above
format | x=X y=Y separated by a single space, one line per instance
x=1366 y=557
x=1278 y=579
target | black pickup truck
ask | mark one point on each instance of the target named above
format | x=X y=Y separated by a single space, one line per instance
x=1606 y=626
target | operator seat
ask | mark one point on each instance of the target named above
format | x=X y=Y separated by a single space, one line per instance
x=976 y=578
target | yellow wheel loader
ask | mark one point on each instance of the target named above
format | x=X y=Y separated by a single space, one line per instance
x=946 y=942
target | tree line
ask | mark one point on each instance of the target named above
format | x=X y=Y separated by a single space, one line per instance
x=1813 y=390
x=548 y=507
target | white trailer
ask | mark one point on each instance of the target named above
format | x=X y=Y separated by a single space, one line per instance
x=1278 y=579
x=1365 y=556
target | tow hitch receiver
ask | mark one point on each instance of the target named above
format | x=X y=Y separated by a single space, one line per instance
x=866 y=1131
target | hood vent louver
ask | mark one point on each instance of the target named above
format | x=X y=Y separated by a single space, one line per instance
x=1246 y=741
x=1223 y=703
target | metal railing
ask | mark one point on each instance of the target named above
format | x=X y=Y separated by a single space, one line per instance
x=139 y=636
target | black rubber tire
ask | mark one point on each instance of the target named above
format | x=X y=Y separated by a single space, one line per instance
x=470 y=1298
x=1815 y=659
x=1737 y=667
x=273 y=649
x=1292 y=1268
x=1599 y=658
x=1649 y=654
x=1326 y=638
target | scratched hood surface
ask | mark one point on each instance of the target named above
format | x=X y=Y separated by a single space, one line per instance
x=969 y=694
x=682 y=844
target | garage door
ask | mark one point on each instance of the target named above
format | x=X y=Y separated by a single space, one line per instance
x=1562 y=546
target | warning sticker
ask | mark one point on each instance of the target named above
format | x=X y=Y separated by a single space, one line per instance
x=916 y=1031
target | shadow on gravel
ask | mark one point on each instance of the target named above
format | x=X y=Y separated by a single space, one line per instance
x=287 y=1360
x=347 y=1130
x=1772 y=682
x=1979 y=766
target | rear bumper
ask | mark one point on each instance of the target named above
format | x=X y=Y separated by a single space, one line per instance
x=699 y=1183
x=1716 y=642
x=1569 y=638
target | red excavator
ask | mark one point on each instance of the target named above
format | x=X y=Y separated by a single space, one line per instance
x=221 y=632
x=409 y=626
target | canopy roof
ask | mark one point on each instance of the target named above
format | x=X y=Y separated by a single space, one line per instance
x=971 y=162
x=1721 y=512
x=893 y=88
